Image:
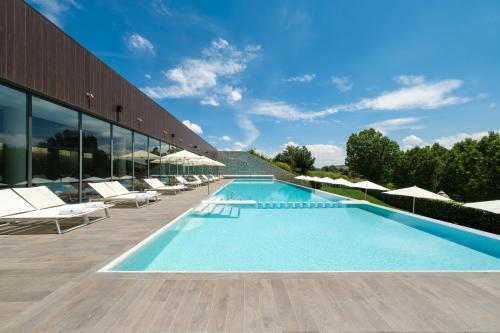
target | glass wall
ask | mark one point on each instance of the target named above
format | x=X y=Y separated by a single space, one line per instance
x=141 y=160
x=70 y=149
x=55 y=149
x=155 y=169
x=96 y=149
x=122 y=156
x=13 y=122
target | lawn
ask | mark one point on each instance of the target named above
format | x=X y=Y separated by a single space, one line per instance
x=355 y=194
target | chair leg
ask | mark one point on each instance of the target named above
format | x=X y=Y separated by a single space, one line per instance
x=59 y=231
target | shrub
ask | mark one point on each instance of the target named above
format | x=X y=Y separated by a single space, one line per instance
x=446 y=211
x=283 y=166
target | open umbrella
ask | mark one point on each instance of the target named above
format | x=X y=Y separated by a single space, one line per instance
x=341 y=182
x=140 y=155
x=417 y=192
x=490 y=206
x=368 y=185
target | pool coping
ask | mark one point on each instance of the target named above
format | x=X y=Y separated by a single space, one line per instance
x=107 y=267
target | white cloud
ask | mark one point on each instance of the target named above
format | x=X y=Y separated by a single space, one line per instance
x=202 y=77
x=342 y=84
x=449 y=141
x=147 y=76
x=55 y=9
x=421 y=96
x=482 y=96
x=302 y=78
x=410 y=80
x=233 y=94
x=193 y=127
x=251 y=133
x=396 y=124
x=139 y=43
x=209 y=100
x=225 y=138
x=412 y=141
x=326 y=154
x=282 y=111
x=160 y=8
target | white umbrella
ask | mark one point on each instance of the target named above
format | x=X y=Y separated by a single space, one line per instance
x=93 y=179
x=417 y=192
x=140 y=155
x=36 y=181
x=327 y=180
x=368 y=185
x=341 y=182
x=490 y=206
x=302 y=177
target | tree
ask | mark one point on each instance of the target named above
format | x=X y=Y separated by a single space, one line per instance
x=423 y=167
x=372 y=154
x=298 y=157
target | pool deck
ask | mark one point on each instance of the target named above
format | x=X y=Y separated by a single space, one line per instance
x=49 y=283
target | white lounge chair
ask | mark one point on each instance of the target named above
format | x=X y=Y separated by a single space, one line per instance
x=122 y=190
x=201 y=181
x=157 y=185
x=109 y=195
x=184 y=182
x=205 y=178
x=39 y=204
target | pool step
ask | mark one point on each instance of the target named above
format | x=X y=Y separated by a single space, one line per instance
x=206 y=210
x=289 y=205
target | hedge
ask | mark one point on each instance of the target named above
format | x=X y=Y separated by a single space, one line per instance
x=446 y=211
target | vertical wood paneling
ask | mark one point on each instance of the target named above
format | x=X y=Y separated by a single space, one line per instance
x=20 y=42
x=35 y=54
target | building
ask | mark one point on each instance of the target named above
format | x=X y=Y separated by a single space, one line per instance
x=66 y=118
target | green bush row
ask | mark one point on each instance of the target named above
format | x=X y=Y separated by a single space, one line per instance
x=446 y=211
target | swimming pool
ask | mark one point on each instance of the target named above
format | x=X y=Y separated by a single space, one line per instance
x=312 y=232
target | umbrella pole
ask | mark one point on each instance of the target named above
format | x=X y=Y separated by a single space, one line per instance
x=366 y=190
x=413 y=205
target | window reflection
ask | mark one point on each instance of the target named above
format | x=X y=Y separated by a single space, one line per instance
x=12 y=138
x=55 y=149
x=122 y=156
x=141 y=160
x=96 y=159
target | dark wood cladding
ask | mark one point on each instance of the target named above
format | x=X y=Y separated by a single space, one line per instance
x=38 y=56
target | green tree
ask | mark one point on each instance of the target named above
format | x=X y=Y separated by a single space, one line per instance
x=298 y=157
x=372 y=154
x=423 y=167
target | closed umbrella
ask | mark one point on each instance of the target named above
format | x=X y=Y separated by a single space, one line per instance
x=368 y=185
x=417 y=192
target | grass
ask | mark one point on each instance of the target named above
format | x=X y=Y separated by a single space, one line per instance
x=355 y=194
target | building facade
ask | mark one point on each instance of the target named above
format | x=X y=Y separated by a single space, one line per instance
x=67 y=119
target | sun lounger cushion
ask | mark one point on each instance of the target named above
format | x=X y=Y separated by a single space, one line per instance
x=15 y=205
x=73 y=209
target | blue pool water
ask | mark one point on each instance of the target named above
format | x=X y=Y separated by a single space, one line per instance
x=347 y=237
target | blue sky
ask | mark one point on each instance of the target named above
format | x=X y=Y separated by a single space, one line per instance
x=267 y=73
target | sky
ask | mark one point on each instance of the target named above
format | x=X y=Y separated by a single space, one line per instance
x=264 y=74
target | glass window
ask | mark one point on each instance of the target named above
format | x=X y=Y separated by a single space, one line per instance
x=12 y=137
x=55 y=149
x=122 y=156
x=155 y=169
x=141 y=158
x=165 y=167
x=96 y=159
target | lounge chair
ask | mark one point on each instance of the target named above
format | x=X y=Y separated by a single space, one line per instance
x=157 y=185
x=39 y=204
x=109 y=195
x=205 y=178
x=198 y=179
x=184 y=182
x=122 y=190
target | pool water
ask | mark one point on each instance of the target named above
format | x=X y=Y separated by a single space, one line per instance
x=347 y=237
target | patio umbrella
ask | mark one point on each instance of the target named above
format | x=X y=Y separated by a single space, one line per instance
x=302 y=177
x=417 y=192
x=490 y=206
x=93 y=179
x=140 y=155
x=181 y=157
x=68 y=180
x=341 y=182
x=368 y=185
x=36 y=181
